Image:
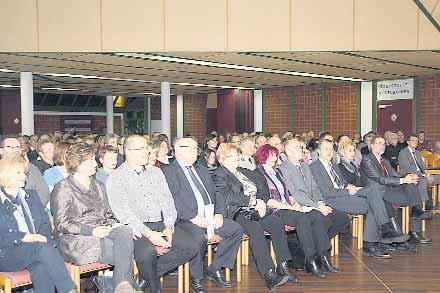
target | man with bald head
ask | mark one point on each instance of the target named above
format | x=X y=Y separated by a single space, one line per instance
x=200 y=214
x=10 y=147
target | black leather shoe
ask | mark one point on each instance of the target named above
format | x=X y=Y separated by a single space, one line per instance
x=197 y=286
x=376 y=251
x=388 y=247
x=217 y=277
x=283 y=270
x=312 y=266
x=390 y=235
x=418 y=238
x=273 y=279
x=407 y=246
x=327 y=266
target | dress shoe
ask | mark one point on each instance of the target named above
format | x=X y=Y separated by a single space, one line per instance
x=283 y=270
x=327 y=266
x=418 y=238
x=388 y=247
x=197 y=286
x=391 y=235
x=417 y=212
x=217 y=277
x=406 y=246
x=376 y=251
x=312 y=266
x=273 y=279
x=141 y=284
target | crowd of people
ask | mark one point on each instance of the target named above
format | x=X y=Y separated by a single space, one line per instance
x=116 y=199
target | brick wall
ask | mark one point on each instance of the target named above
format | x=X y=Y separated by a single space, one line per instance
x=341 y=109
x=429 y=107
x=307 y=107
x=194 y=108
x=277 y=110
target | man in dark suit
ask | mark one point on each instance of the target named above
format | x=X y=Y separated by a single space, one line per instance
x=401 y=191
x=392 y=150
x=355 y=200
x=200 y=213
x=410 y=161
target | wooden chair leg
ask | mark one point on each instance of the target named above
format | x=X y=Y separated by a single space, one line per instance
x=360 y=239
x=272 y=253
x=8 y=286
x=238 y=265
x=354 y=227
x=335 y=245
x=424 y=221
x=209 y=254
x=228 y=274
x=180 y=278
x=246 y=252
x=76 y=277
x=186 y=281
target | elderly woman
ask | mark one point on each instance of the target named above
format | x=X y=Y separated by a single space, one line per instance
x=247 y=207
x=86 y=227
x=25 y=230
x=58 y=172
x=311 y=226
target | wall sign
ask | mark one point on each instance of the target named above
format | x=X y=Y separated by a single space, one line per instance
x=402 y=89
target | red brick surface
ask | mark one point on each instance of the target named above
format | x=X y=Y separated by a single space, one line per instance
x=341 y=109
x=277 y=110
x=194 y=108
x=429 y=107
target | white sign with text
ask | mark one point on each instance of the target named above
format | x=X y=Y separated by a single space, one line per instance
x=402 y=89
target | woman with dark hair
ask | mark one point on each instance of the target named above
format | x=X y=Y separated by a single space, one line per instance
x=311 y=226
x=161 y=147
x=86 y=227
x=210 y=158
x=210 y=142
x=245 y=204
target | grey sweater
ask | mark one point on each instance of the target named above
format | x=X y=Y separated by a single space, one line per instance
x=137 y=198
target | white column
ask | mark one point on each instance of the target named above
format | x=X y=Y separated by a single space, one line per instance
x=27 y=103
x=109 y=103
x=179 y=114
x=366 y=107
x=258 y=110
x=165 y=108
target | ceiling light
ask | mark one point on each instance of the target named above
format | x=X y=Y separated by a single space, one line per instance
x=8 y=85
x=150 y=94
x=234 y=66
x=58 y=89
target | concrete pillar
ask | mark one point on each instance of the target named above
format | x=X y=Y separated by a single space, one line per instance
x=258 y=110
x=179 y=114
x=165 y=108
x=366 y=107
x=27 y=103
x=109 y=103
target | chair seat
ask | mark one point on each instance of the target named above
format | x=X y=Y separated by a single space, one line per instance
x=19 y=278
x=91 y=267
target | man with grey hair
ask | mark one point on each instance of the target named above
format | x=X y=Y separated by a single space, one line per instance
x=200 y=212
x=247 y=149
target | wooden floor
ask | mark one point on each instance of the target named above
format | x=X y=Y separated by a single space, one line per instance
x=404 y=273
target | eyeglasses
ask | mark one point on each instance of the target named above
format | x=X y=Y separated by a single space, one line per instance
x=138 y=149
x=12 y=147
x=189 y=146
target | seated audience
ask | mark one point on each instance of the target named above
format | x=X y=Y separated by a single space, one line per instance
x=58 y=172
x=377 y=172
x=355 y=200
x=392 y=150
x=160 y=144
x=424 y=145
x=211 y=160
x=401 y=140
x=260 y=140
x=247 y=151
x=139 y=196
x=85 y=226
x=45 y=149
x=248 y=208
x=26 y=241
x=366 y=147
x=10 y=147
x=235 y=139
x=108 y=157
x=200 y=214
x=311 y=226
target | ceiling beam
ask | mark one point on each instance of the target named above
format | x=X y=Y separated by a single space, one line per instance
x=427 y=14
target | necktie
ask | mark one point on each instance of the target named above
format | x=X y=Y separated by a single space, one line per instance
x=199 y=186
x=384 y=169
x=415 y=160
x=335 y=176
x=17 y=202
x=300 y=170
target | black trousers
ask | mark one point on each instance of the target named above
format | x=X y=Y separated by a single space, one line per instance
x=231 y=234
x=257 y=241
x=45 y=264
x=340 y=223
x=150 y=266
x=117 y=249
x=312 y=230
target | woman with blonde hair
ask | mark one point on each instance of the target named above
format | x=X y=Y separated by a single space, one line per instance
x=26 y=232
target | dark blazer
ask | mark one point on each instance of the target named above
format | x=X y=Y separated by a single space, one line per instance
x=407 y=163
x=184 y=199
x=374 y=176
x=392 y=154
x=10 y=236
x=349 y=176
x=325 y=183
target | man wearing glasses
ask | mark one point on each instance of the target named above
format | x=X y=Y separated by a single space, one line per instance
x=139 y=197
x=10 y=147
x=200 y=214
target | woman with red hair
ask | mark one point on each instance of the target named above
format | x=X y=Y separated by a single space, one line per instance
x=311 y=226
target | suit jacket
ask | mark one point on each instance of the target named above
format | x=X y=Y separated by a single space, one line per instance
x=305 y=192
x=10 y=235
x=325 y=182
x=374 y=176
x=407 y=163
x=349 y=176
x=184 y=198
x=35 y=181
x=392 y=154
